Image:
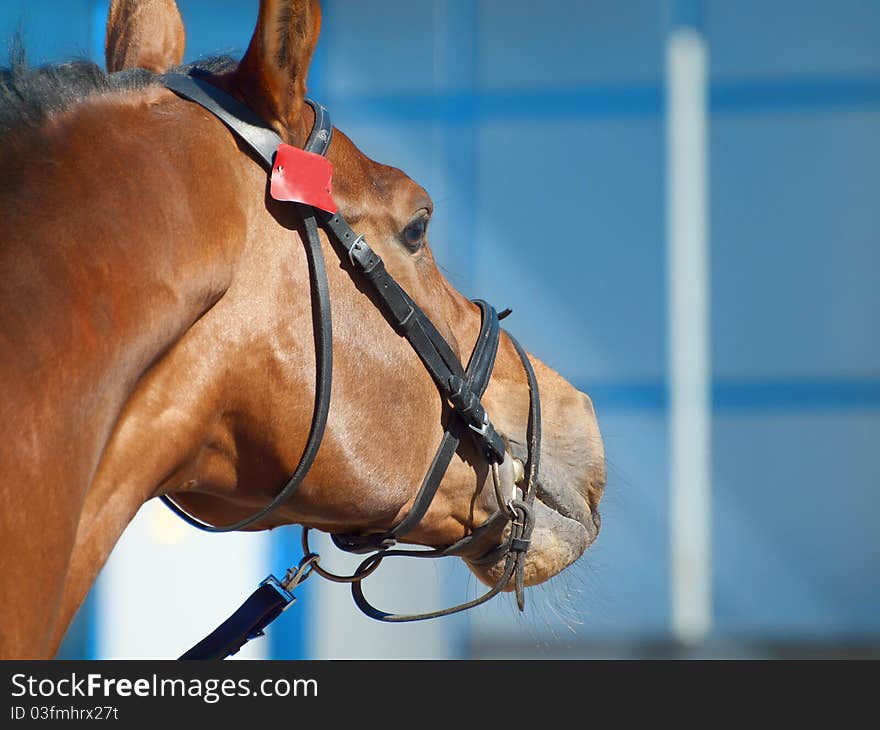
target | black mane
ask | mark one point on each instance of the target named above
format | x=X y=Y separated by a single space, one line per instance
x=28 y=95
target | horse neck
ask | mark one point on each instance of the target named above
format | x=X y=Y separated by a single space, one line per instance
x=109 y=253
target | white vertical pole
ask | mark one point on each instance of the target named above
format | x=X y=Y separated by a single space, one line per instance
x=689 y=334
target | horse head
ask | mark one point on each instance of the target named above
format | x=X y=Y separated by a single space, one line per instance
x=159 y=324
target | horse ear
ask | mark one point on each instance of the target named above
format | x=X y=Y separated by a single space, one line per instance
x=144 y=34
x=272 y=75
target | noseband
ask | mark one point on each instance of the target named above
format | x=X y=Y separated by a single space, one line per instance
x=461 y=388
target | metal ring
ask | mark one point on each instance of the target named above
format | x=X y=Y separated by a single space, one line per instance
x=502 y=502
x=298 y=575
x=355 y=577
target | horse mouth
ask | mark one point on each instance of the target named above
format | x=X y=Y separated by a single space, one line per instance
x=570 y=506
x=566 y=525
x=556 y=495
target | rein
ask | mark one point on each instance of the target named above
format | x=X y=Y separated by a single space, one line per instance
x=461 y=388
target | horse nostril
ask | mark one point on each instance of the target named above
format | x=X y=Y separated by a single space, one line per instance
x=597 y=519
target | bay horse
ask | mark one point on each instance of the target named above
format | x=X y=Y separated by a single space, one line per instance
x=157 y=338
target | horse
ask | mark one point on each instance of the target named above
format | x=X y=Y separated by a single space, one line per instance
x=158 y=337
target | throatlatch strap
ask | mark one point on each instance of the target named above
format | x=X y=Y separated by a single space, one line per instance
x=252 y=130
x=322 y=322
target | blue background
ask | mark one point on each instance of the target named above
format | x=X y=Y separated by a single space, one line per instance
x=541 y=138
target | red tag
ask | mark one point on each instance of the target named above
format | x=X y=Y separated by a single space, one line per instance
x=302 y=177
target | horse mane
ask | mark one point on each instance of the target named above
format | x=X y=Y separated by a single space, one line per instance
x=29 y=95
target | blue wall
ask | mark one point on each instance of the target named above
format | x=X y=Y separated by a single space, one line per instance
x=541 y=138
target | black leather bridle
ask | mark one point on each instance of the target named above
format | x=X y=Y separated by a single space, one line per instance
x=461 y=388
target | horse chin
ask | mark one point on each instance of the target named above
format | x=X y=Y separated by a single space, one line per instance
x=558 y=540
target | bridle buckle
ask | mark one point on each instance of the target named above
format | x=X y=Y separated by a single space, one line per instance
x=357 y=242
x=483 y=429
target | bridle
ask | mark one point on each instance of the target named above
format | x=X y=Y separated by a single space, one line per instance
x=461 y=388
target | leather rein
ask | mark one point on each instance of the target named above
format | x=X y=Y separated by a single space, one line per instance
x=460 y=386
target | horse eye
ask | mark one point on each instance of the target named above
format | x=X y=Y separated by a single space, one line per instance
x=414 y=233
